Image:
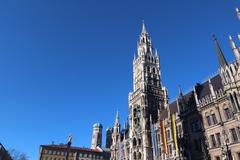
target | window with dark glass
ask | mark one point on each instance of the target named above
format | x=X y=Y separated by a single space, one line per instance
x=214 y=118
x=213 y=141
x=238 y=130
x=168 y=134
x=170 y=149
x=218 y=136
x=227 y=112
x=234 y=135
x=232 y=101
x=208 y=120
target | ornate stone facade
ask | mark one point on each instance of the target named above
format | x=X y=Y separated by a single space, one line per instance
x=203 y=123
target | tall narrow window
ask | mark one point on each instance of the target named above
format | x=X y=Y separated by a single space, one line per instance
x=232 y=102
x=227 y=113
x=214 y=118
x=170 y=149
x=208 y=119
x=154 y=70
x=218 y=136
x=213 y=141
x=134 y=156
x=238 y=130
x=234 y=135
x=168 y=135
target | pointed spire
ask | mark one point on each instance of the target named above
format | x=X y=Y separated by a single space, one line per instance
x=143 y=27
x=180 y=90
x=222 y=60
x=156 y=52
x=117 y=119
x=134 y=58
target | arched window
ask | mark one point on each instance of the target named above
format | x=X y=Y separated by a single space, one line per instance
x=134 y=112
x=227 y=113
x=154 y=70
x=134 y=142
x=148 y=69
x=139 y=155
x=134 y=156
x=139 y=141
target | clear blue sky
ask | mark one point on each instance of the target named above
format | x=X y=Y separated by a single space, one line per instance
x=65 y=64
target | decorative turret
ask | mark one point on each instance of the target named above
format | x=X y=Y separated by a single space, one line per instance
x=195 y=96
x=234 y=48
x=115 y=138
x=211 y=88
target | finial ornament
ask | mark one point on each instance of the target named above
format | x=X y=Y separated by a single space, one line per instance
x=234 y=48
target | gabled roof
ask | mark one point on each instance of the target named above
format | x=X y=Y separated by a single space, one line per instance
x=63 y=147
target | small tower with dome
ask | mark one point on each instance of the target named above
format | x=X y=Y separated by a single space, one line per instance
x=97 y=135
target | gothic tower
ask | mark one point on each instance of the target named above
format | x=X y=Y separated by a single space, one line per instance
x=97 y=135
x=146 y=99
x=116 y=135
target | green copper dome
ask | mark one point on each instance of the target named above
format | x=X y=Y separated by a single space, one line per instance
x=97 y=125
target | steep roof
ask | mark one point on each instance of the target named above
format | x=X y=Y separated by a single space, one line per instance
x=203 y=89
x=173 y=107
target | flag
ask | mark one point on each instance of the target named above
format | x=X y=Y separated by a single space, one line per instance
x=154 y=140
x=174 y=131
x=163 y=133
